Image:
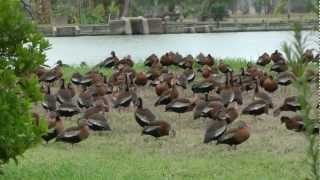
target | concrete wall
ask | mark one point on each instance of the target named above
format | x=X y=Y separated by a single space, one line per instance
x=155 y=26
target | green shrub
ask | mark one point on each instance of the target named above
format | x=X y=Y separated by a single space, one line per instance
x=21 y=52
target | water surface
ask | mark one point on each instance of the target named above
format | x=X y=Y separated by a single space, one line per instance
x=93 y=49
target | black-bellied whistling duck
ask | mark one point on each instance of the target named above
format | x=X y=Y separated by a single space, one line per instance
x=264 y=59
x=311 y=75
x=110 y=61
x=181 y=105
x=177 y=59
x=286 y=78
x=161 y=88
x=200 y=58
x=214 y=131
x=293 y=123
x=93 y=110
x=217 y=111
x=227 y=93
x=68 y=109
x=276 y=56
x=158 y=129
x=152 y=59
x=289 y=104
x=141 y=79
x=296 y=123
x=125 y=97
x=53 y=132
x=223 y=68
x=270 y=85
x=50 y=101
x=280 y=66
x=206 y=71
x=209 y=60
x=167 y=96
x=143 y=115
x=187 y=62
x=256 y=108
x=232 y=112
x=308 y=56
x=65 y=94
x=98 y=122
x=127 y=61
x=85 y=99
x=204 y=86
x=182 y=81
x=74 y=135
x=262 y=95
x=235 y=135
x=236 y=90
x=167 y=59
x=201 y=109
x=190 y=74
x=76 y=78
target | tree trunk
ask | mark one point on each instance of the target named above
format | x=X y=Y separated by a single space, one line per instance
x=124 y=7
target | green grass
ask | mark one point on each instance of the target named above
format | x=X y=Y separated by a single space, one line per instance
x=272 y=152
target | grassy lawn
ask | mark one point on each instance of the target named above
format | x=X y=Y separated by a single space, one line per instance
x=272 y=152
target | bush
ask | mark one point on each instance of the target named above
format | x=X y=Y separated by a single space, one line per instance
x=21 y=52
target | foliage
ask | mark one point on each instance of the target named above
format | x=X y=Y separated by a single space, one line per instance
x=93 y=16
x=295 y=57
x=21 y=52
x=218 y=11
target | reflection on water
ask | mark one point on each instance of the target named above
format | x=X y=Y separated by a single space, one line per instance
x=92 y=49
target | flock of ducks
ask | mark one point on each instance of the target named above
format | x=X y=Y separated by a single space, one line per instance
x=218 y=95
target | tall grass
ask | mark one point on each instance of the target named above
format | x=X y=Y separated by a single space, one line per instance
x=294 y=55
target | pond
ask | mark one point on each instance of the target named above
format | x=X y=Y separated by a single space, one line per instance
x=93 y=49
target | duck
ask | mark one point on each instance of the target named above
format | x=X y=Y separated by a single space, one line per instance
x=167 y=59
x=190 y=74
x=98 y=108
x=98 y=122
x=53 y=132
x=187 y=62
x=161 y=87
x=167 y=96
x=141 y=79
x=204 y=86
x=235 y=135
x=280 y=66
x=286 y=78
x=85 y=99
x=206 y=71
x=290 y=104
x=223 y=68
x=74 y=135
x=182 y=81
x=181 y=105
x=227 y=93
x=152 y=59
x=269 y=84
x=297 y=124
x=236 y=90
x=127 y=61
x=76 y=78
x=50 y=102
x=256 y=108
x=125 y=97
x=158 y=129
x=264 y=59
x=214 y=131
x=52 y=75
x=232 y=112
x=276 y=56
x=68 y=109
x=110 y=61
x=143 y=116
x=209 y=60
x=308 y=56
x=262 y=95
x=65 y=94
